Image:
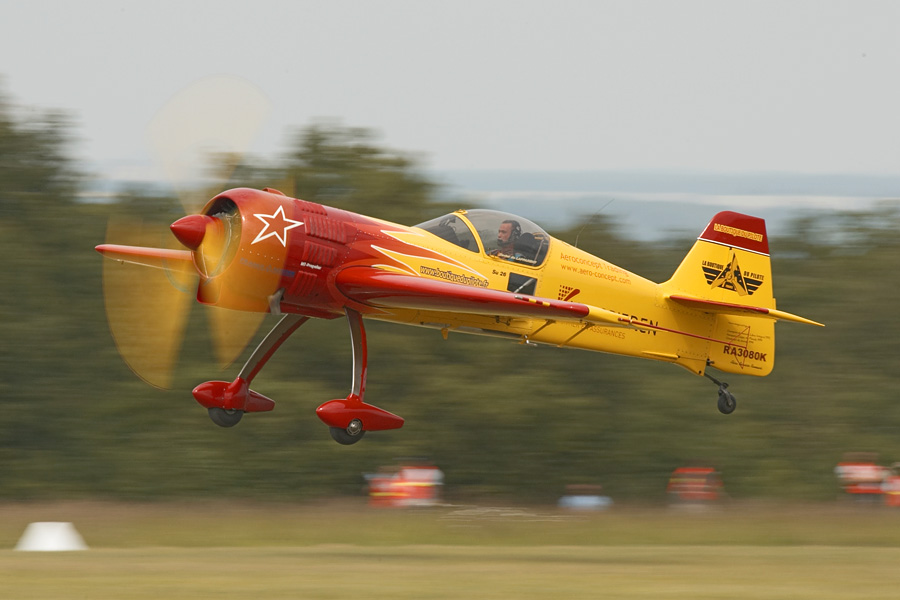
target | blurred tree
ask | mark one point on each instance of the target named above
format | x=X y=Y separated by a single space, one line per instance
x=36 y=172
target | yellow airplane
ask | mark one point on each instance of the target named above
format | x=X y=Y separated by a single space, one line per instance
x=472 y=271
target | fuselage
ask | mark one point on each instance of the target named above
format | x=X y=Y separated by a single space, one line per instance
x=285 y=255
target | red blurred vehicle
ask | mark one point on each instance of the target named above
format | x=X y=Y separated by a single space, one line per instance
x=861 y=476
x=695 y=485
x=891 y=486
x=405 y=486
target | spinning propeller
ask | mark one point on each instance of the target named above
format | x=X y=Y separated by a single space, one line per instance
x=148 y=309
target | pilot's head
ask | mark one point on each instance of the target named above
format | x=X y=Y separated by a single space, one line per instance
x=509 y=232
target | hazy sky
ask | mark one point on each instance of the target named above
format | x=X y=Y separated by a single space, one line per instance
x=525 y=84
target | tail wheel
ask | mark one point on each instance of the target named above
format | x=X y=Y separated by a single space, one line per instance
x=727 y=402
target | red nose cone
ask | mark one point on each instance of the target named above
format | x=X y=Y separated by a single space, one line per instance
x=190 y=230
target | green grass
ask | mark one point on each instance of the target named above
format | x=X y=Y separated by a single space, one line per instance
x=349 y=551
x=423 y=572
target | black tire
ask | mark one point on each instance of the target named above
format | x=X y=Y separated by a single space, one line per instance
x=225 y=418
x=727 y=402
x=342 y=436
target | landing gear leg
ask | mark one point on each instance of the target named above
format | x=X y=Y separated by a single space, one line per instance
x=727 y=402
x=273 y=340
x=227 y=402
x=349 y=418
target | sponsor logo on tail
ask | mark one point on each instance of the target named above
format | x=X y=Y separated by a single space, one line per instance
x=731 y=277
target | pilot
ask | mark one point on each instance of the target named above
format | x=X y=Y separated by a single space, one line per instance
x=507 y=235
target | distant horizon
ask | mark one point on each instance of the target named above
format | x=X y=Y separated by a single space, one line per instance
x=680 y=180
x=647 y=204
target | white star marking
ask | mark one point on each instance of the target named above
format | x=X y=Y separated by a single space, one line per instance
x=278 y=227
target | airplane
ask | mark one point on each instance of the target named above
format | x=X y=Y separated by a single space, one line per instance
x=473 y=271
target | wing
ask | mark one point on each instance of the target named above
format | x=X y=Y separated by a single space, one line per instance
x=382 y=289
x=727 y=308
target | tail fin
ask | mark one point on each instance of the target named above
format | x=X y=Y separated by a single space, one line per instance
x=728 y=274
x=728 y=263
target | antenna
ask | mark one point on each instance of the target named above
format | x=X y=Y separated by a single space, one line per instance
x=589 y=221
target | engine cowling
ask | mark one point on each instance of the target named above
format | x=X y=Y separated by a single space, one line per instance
x=254 y=249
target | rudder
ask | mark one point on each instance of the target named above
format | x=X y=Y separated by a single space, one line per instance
x=746 y=345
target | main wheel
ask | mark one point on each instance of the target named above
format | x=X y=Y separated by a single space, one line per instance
x=727 y=402
x=352 y=434
x=225 y=418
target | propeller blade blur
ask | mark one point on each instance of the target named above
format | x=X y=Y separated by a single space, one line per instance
x=231 y=332
x=200 y=122
x=147 y=309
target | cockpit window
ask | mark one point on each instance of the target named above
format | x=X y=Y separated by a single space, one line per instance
x=508 y=237
x=453 y=229
x=503 y=236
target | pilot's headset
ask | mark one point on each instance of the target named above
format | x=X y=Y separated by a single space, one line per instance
x=516 y=230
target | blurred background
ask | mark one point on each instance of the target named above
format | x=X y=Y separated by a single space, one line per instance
x=624 y=126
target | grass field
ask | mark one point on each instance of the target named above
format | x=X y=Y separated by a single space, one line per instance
x=266 y=551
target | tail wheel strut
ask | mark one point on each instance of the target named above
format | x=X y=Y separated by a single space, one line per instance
x=727 y=402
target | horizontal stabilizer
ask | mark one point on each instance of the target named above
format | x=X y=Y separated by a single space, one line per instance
x=727 y=308
x=159 y=258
